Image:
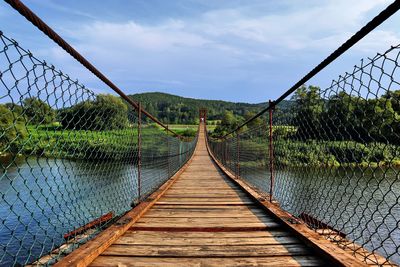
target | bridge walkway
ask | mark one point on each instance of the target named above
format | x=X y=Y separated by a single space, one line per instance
x=205 y=219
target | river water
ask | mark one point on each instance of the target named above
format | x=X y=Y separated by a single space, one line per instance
x=48 y=197
x=42 y=199
x=363 y=203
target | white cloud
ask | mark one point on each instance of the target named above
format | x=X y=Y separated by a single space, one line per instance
x=312 y=27
x=166 y=36
x=225 y=48
x=231 y=33
x=378 y=41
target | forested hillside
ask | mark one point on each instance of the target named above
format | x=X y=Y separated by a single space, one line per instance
x=181 y=110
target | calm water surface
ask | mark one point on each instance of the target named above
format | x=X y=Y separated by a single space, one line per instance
x=364 y=204
x=48 y=197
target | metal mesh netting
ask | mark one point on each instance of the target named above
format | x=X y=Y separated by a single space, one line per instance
x=68 y=157
x=336 y=158
x=162 y=156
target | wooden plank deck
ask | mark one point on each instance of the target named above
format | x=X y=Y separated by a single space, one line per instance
x=205 y=219
x=204 y=216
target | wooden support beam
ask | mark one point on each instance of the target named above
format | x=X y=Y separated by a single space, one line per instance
x=102 y=220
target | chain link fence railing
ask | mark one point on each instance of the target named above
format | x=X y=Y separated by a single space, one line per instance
x=336 y=158
x=162 y=156
x=70 y=159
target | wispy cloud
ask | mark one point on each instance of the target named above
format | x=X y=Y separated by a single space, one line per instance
x=305 y=27
x=222 y=47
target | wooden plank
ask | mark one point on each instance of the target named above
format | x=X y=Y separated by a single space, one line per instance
x=204 y=189
x=202 y=194
x=204 y=228
x=159 y=210
x=208 y=235
x=206 y=220
x=287 y=261
x=207 y=182
x=208 y=251
x=209 y=207
x=207 y=177
x=214 y=203
x=210 y=196
x=205 y=224
x=202 y=214
x=195 y=189
x=206 y=199
x=156 y=240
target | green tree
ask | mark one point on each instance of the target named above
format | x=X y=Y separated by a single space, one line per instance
x=12 y=129
x=37 y=111
x=256 y=122
x=229 y=122
x=342 y=119
x=309 y=107
x=384 y=117
x=228 y=119
x=394 y=98
x=17 y=109
x=106 y=112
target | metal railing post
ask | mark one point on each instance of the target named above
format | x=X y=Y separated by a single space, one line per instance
x=271 y=152
x=237 y=155
x=168 y=154
x=139 y=149
x=229 y=156
x=225 y=152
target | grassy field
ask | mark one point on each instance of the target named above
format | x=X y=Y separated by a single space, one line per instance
x=179 y=127
x=182 y=126
x=53 y=141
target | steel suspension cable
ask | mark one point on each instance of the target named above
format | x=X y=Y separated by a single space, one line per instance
x=47 y=30
x=370 y=26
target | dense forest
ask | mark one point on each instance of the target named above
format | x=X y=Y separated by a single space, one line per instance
x=344 y=117
x=181 y=110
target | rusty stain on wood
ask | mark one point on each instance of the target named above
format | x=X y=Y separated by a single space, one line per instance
x=103 y=219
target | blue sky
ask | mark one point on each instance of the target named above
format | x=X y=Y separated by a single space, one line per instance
x=236 y=50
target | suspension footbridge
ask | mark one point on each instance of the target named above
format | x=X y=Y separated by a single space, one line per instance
x=204 y=217
x=89 y=179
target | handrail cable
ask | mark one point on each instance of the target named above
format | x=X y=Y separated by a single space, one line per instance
x=47 y=30
x=375 y=22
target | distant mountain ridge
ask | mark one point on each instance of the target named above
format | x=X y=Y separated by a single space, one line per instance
x=183 y=110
